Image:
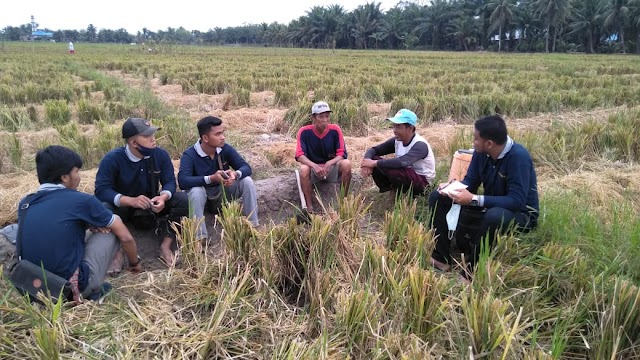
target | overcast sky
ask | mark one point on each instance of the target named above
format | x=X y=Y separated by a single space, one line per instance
x=133 y=15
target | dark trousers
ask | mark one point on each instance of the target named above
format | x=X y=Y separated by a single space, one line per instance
x=174 y=210
x=495 y=219
x=399 y=180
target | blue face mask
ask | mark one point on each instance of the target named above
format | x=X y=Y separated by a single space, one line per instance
x=145 y=151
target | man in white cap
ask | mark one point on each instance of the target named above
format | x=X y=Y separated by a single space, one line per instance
x=321 y=152
x=128 y=182
x=414 y=166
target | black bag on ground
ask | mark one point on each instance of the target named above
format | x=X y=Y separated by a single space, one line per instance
x=29 y=278
x=469 y=223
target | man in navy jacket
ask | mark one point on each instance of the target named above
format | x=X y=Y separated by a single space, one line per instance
x=506 y=172
x=127 y=182
x=211 y=168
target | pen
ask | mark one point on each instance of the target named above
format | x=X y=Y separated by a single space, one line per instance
x=449 y=183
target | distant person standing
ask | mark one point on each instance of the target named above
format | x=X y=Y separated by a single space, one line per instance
x=72 y=49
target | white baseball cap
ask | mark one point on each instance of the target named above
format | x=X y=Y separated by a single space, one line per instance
x=320 y=107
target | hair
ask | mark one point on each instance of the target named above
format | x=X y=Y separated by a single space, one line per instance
x=206 y=123
x=54 y=161
x=492 y=128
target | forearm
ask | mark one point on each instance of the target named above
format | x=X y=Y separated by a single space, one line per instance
x=305 y=161
x=127 y=241
x=334 y=160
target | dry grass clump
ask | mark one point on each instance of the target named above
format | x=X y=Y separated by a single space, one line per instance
x=328 y=290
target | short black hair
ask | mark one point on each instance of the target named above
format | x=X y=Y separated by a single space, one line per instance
x=54 y=161
x=206 y=123
x=492 y=128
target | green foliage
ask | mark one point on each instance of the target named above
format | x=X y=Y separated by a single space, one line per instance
x=57 y=112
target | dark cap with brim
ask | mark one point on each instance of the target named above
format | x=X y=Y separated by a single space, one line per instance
x=137 y=126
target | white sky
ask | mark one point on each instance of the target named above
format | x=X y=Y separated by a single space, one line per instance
x=133 y=15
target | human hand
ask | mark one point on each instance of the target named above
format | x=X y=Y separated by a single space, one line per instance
x=157 y=204
x=368 y=163
x=320 y=170
x=365 y=171
x=136 y=269
x=231 y=177
x=139 y=202
x=101 y=230
x=462 y=196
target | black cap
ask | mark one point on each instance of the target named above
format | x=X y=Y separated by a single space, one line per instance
x=137 y=126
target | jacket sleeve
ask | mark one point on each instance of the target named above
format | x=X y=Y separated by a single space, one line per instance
x=105 y=187
x=167 y=176
x=301 y=146
x=237 y=162
x=186 y=175
x=419 y=151
x=518 y=185
x=385 y=148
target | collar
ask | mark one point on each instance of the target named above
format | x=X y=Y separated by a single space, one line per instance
x=410 y=140
x=130 y=155
x=201 y=152
x=50 y=186
x=508 y=145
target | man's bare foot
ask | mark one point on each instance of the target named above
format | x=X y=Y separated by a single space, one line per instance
x=440 y=265
x=464 y=280
x=115 y=268
x=167 y=257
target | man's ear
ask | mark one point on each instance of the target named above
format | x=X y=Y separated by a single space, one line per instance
x=65 y=179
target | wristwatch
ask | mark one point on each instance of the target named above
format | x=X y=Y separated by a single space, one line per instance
x=474 y=201
x=135 y=263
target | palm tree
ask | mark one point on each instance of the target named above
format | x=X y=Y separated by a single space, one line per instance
x=500 y=16
x=465 y=31
x=616 y=16
x=368 y=19
x=394 y=25
x=526 y=22
x=436 y=20
x=586 y=18
x=634 y=7
x=552 y=13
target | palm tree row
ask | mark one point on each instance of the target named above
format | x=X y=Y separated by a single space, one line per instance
x=515 y=25
x=511 y=25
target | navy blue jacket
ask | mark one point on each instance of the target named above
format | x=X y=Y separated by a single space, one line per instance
x=117 y=174
x=193 y=167
x=508 y=183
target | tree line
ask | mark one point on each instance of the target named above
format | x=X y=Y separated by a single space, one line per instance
x=591 y=26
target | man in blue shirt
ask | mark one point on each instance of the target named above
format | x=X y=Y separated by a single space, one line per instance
x=506 y=172
x=128 y=181
x=54 y=226
x=211 y=168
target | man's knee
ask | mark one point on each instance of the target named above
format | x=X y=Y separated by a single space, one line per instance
x=344 y=166
x=435 y=198
x=496 y=218
x=305 y=171
x=247 y=184
x=197 y=194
